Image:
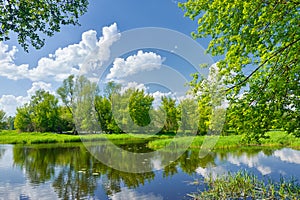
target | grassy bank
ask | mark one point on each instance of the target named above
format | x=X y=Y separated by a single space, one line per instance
x=276 y=139
x=243 y=185
x=13 y=137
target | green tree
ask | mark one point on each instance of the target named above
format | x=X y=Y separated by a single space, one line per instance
x=66 y=94
x=260 y=42
x=10 y=123
x=140 y=105
x=169 y=106
x=104 y=113
x=29 y=19
x=23 y=120
x=83 y=106
x=2 y=119
x=45 y=115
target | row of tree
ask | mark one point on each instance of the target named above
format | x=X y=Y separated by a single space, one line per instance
x=82 y=107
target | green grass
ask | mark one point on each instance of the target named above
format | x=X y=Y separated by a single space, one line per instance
x=14 y=137
x=276 y=139
x=243 y=185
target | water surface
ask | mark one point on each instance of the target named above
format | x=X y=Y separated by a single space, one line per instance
x=70 y=172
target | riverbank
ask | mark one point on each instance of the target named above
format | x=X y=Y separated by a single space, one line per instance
x=14 y=137
x=276 y=139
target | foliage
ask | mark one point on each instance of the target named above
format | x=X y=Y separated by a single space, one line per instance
x=140 y=105
x=31 y=18
x=45 y=116
x=172 y=115
x=274 y=139
x=2 y=119
x=23 y=120
x=66 y=94
x=243 y=185
x=104 y=113
x=41 y=114
x=260 y=42
x=83 y=105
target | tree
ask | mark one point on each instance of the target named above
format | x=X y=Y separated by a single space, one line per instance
x=140 y=105
x=260 y=41
x=169 y=106
x=30 y=18
x=66 y=94
x=45 y=111
x=41 y=114
x=104 y=113
x=23 y=120
x=83 y=107
x=2 y=119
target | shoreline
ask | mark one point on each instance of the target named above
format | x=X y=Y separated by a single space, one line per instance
x=276 y=139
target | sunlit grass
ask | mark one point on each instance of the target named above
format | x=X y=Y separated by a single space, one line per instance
x=14 y=137
x=276 y=139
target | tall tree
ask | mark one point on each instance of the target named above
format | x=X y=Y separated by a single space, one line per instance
x=28 y=19
x=23 y=121
x=104 y=113
x=260 y=41
x=2 y=119
x=45 y=115
x=169 y=106
x=66 y=94
x=83 y=106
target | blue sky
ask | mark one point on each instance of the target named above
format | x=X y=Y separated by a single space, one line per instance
x=117 y=16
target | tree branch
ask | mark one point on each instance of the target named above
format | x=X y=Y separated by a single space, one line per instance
x=261 y=65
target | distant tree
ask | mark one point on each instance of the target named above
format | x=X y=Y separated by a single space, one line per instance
x=2 y=119
x=189 y=116
x=169 y=106
x=104 y=113
x=140 y=105
x=84 y=113
x=28 y=19
x=45 y=111
x=66 y=94
x=10 y=123
x=23 y=120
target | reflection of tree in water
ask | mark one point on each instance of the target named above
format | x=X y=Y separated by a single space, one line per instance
x=248 y=151
x=189 y=161
x=70 y=184
x=75 y=173
x=2 y=151
x=73 y=170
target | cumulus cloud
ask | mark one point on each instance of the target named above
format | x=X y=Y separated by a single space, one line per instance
x=133 y=85
x=64 y=61
x=251 y=162
x=7 y=66
x=142 y=61
x=288 y=155
x=9 y=103
x=133 y=195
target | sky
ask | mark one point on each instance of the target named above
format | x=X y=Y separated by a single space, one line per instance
x=114 y=42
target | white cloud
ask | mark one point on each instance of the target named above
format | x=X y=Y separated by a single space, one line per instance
x=133 y=85
x=213 y=172
x=9 y=103
x=64 y=61
x=142 y=61
x=7 y=66
x=133 y=195
x=288 y=155
x=251 y=162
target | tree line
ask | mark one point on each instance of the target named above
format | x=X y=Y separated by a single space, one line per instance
x=80 y=106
